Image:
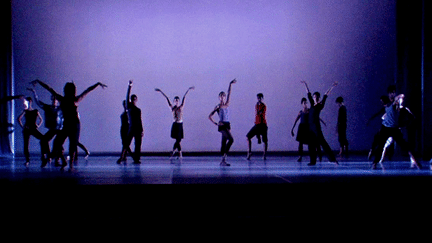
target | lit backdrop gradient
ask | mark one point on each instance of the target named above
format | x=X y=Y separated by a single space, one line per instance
x=269 y=46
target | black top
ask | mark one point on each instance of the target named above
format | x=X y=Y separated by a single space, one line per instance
x=30 y=119
x=314 y=113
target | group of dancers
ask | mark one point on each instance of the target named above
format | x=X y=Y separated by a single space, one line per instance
x=63 y=121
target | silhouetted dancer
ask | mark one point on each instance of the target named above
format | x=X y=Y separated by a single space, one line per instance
x=53 y=122
x=303 y=134
x=317 y=137
x=71 y=123
x=136 y=130
x=30 y=128
x=124 y=130
x=341 y=127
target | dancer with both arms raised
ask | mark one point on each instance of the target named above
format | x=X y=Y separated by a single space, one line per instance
x=177 y=126
x=317 y=136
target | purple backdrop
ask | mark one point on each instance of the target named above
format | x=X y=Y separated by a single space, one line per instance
x=269 y=46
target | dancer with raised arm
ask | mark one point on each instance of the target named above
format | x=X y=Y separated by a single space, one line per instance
x=71 y=122
x=317 y=137
x=177 y=126
x=30 y=128
x=390 y=128
x=53 y=122
x=136 y=130
x=260 y=128
x=124 y=130
x=303 y=130
x=224 y=125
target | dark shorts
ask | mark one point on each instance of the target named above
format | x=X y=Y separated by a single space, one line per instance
x=224 y=126
x=177 y=130
x=258 y=130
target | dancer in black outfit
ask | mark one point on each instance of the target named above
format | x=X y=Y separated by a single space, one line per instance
x=177 y=126
x=124 y=130
x=317 y=137
x=71 y=123
x=341 y=127
x=303 y=134
x=30 y=128
x=136 y=130
x=53 y=122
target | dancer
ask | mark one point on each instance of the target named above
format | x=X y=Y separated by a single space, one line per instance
x=390 y=128
x=71 y=123
x=391 y=92
x=136 y=130
x=224 y=125
x=53 y=122
x=31 y=128
x=341 y=127
x=177 y=126
x=260 y=128
x=303 y=130
x=124 y=130
x=317 y=137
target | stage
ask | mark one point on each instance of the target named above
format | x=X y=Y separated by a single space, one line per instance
x=278 y=190
x=103 y=170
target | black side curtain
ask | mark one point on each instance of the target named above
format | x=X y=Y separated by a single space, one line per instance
x=5 y=77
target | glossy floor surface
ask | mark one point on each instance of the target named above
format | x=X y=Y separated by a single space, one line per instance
x=103 y=170
x=100 y=192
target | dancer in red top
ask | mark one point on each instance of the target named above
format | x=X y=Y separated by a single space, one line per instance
x=260 y=128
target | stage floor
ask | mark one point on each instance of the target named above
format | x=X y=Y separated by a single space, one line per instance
x=103 y=170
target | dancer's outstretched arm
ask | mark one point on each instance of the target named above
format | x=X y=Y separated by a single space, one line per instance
x=309 y=95
x=128 y=100
x=229 y=91
x=166 y=97
x=331 y=88
x=9 y=98
x=307 y=87
x=184 y=96
x=47 y=87
x=89 y=89
x=38 y=102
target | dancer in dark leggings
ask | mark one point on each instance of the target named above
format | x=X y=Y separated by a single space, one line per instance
x=30 y=128
x=177 y=126
x=53 y=122
x=136 y=130
x=224 y=125
x=303 y=135
x=71 y=123
x=341 y=127
x=317 y=137
x=124 y=130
